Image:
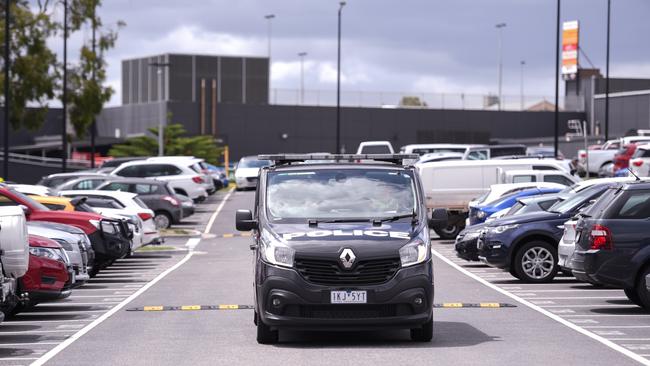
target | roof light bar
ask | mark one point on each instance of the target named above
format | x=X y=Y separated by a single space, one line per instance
x=399 y=159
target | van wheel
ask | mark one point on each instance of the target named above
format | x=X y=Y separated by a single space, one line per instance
x=536 y=262
x=632 y=296
x=264 y=333
x=423 y=334
x=448 y=233
x=642 y=291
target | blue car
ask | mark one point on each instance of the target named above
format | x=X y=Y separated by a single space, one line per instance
x=526 y=245
x=218 y=175
x=478 y=214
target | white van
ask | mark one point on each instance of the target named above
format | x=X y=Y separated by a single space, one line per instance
x=452 y=185
x=548 y=176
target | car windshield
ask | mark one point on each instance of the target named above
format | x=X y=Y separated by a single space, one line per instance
x=574 y=200
x=340 y=194
x=253 y=163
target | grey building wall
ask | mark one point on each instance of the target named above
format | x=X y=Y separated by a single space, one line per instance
x=627 y=111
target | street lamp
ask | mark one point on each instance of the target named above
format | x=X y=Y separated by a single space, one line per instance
x=500 y=27
x=521 y=83
x=556 y=125
x=5 y=170
x=338 y=84
x=269 y=17
x=302 y=76
x=64 y=96
x=609 y=11
x=159 y=66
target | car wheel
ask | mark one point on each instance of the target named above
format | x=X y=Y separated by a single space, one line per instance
x=163 y=220
x=606 y=170
x=536 y=262
x=513 y=272
x=448 y=233
x=642 y=291
x=424 y=333
x=265 y=335
x=632 y=295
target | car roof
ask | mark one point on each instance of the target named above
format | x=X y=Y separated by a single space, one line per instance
x=334 y=166
x=641 y=185
x=115 y=194
x=137 y=181
x=72 y=174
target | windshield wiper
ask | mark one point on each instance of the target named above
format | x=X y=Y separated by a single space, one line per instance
x=314 y=222
x=412 y=215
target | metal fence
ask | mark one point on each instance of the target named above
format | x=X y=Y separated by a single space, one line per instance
x=371 y=99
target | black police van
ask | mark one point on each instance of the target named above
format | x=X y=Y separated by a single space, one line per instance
x=341 y=243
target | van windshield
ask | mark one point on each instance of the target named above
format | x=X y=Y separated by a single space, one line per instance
x=340 y=194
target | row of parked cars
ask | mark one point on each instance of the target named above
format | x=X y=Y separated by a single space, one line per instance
x=58 y=234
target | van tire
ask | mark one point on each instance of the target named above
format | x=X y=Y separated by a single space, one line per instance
x=642 y=291
x=424 y=333
x=632 y=296
x=448 y=233
x=264 y=333
x=534 y=250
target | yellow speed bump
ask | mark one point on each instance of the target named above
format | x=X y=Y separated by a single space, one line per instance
x=482 y=305
x=191 y=307
x=153 y=308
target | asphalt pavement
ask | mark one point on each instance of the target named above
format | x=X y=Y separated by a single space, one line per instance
x=219 y=271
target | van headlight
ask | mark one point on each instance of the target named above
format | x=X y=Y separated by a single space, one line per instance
x=274 y=251
x=415 y=252
x=503 y=228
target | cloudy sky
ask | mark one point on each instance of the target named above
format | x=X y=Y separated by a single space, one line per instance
x=388 y=45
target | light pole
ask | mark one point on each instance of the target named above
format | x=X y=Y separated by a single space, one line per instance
x=5 y=170
x=302 y=77
x=93 y=126
x=64 y=96
x=500 y=27
x=556 y=125
x=338 y=84
x=269 y=18
x=609 y=11
x=161 y=128
x=521 y=83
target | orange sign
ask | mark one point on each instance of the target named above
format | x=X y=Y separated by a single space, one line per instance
x=570 y=49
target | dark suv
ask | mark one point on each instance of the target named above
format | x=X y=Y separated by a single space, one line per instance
x=340 y=246
x=613 y=245
x=526 y=244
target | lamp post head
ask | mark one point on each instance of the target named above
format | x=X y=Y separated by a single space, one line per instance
x=269 y=16
x=302 y=54
x=501 y=25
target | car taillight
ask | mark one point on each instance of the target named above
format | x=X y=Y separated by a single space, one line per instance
x=637 y=162
x=583 y=155
x=197 y=179
x=144 y=216
x=172 y=200
x=601 y=238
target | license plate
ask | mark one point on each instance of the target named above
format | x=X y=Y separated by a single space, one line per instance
x=348 y=297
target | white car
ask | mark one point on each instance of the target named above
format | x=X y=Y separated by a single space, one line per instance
x=247 y=172
x=548 y=176
x=130 y=205
x=32 y=190
x=439 y=156
x=181 y=177
x=196 y=164
x=375 y=147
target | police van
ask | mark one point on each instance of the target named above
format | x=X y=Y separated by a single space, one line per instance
x=340 y=245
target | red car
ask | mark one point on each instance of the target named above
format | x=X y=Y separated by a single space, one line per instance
x=110 y=239
x=622 y=157
x=48 y=277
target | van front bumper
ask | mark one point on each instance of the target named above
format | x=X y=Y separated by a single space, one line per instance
x=405 y=301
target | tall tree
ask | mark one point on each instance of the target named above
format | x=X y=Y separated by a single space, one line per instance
x=87 y=93
x=33 y=73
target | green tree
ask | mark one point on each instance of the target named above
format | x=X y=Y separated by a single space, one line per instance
x=87 y=93
x=176 y=143
x=33 y=73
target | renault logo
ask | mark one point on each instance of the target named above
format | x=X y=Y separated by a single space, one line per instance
x=347 y=258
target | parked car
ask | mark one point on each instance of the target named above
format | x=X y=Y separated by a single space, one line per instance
x=543 y=151
x=526 y=245
x=612 y=241
x=74 y=242
x=375 y=147
x=14 y=254
x=55 y=203
x=195 y=164
x=157 y=195
x=548 y=176
x=622 y=160
x=219 y=176
x=439 y=156
x=640 y=161
x=54 y=180
x=497 y=191
x=601 y=161
x=49 y=276
x=110 y=239
x=248 y=169
x=83 y=183
x=478 y=214
x=32 y=189
x=110 y=165
x=128 y=204
x=423 y=149
x=180 y=176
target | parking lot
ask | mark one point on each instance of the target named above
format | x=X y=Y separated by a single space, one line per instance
x=31 y=334
x=163 y=323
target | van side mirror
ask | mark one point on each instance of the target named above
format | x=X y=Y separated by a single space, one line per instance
x=439 y=218
x=244 y=220
x=26 y=210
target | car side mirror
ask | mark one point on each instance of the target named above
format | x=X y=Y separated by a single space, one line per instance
x=26 y=210
x=439 y=218
x=244 y=220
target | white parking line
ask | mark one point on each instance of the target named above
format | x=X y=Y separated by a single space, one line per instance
x=208 y=227
x=36 y=331
x=631 y=306
x=580 y=298
x=618 y=326
x=547 y=313
x=60 y=347
x=17 y=358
